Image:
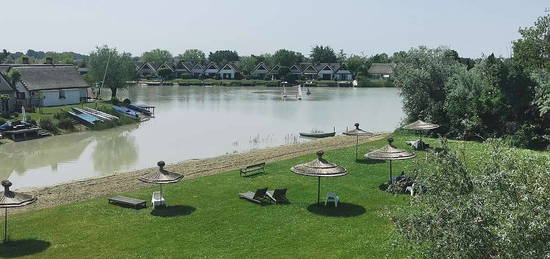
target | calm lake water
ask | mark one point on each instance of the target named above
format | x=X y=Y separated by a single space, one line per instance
x=197 y=122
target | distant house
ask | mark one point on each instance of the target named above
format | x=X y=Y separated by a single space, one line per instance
x=197 y=70
x=260 y=71
x=274 y=72
x=381 y=70
x=211 y=69
x=343 y=73
x=146 y=70
x=7 y=95
x=183 y=69
x=325 y=71
x=229 y=71
x=49 y=85
x=308 y=71
x=296 y=72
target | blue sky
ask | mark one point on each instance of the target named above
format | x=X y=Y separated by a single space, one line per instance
x=472 y=28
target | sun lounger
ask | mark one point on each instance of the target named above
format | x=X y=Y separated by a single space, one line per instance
x=127 y=201
x=258 y=197
x=278 y=196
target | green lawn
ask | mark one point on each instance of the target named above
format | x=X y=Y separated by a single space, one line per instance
x=207 y=219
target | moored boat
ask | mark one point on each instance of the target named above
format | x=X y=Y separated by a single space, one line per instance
x=84 y=118
x=318 y=135
x=100 y=114
x=139 y=108
x=125 y=111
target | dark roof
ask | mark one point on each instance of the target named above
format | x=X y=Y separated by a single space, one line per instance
x=4 y=68
x=4 y=84
x=50 y=77
x=381 y=68
x=232 y=66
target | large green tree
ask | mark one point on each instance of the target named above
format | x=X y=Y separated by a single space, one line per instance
x=193 y=56
x=156 y=57
x=117 y=67
x=533 y=49
x=221 y=57
x=322 y=54
x=247 y=64
x=287 y=58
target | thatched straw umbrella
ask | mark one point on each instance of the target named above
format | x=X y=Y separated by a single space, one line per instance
x=161 y=177
x=357 y=132
x=11 y=199
x=389 y=152
x=319 y=168
x=420 y=125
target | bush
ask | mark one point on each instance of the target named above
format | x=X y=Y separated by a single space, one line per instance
x=60 y=115
x=66 y=124
x=495 y=207
x=2 y=121
x=47 y=124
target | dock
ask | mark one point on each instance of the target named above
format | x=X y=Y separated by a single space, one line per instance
x=24 y=134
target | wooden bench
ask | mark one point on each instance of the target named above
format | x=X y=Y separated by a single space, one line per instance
x=253 y=168
x=127 y=201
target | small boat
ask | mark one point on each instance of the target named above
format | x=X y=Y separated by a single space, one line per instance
x=100 y=114
x=15 y=125
x=318 y=135
x=139 y=108
x=84 y=118
x=125 y=111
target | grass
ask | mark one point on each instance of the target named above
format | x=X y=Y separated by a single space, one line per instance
x=206 y=219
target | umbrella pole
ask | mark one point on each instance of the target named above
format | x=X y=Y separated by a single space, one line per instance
x=6 y=225
x=356 y=145
x=390 y=173
x=161 y=191
x=318 y=190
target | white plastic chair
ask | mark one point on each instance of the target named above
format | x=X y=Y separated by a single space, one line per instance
x=157 y=200
x=333 y=198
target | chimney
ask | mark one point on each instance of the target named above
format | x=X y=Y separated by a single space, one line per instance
x=49 y=60
x=25 y=60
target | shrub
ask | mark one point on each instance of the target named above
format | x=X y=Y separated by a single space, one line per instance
x=2 y=121
x=60 y=115
x=47 y=124
x=495 y=207
x=66 y=124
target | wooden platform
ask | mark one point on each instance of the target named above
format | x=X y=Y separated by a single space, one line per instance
x=127 y=201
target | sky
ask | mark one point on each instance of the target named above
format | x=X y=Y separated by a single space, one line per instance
x=473 y=28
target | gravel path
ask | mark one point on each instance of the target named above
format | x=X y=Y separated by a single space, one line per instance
x=122 y=182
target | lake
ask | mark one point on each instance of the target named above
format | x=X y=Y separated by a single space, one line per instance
x=193 y=122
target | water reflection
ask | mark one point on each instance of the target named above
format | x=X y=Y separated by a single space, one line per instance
x=114 y=152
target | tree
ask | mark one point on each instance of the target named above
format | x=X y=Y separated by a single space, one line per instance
x=284 y=74
x=164 y=73
x=542 y=91
x=322 y=54
x=287 y=58
x=532 y=51
x=341 y=57
x=247 y=64
x=496 y=206
x=121 y=68
x=157 y=57
x=4 y=55
x=13 y=76
x=221 y=57
x=193 y=56
x=379 y=58
x=358 y=65
x=422 y=76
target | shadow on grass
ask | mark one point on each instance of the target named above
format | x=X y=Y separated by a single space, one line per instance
x=369 y=161
x=384 y=186
x=24 y=247
x=344 y=210
x=172 y=211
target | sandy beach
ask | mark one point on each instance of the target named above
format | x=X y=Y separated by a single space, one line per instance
x=81 y=190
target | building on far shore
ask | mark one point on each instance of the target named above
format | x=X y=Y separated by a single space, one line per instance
x=229 y=71
x=48 y=85
x=260 y=71
x=7 y=95
x=146 y=70
x=381 y=70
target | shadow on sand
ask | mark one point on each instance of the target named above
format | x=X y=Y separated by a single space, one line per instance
x=173 y=211
x=24 y=247
x=344 y=210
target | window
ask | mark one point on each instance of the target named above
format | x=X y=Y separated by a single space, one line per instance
x=20 y=95
x=61 y=94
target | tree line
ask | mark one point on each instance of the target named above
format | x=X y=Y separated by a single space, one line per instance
x=490 y=97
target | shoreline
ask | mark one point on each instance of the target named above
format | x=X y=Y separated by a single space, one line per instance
x=85 y=189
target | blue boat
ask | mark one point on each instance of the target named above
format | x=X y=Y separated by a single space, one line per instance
x=84 y=118
x=126 y=111
x=139 y=108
